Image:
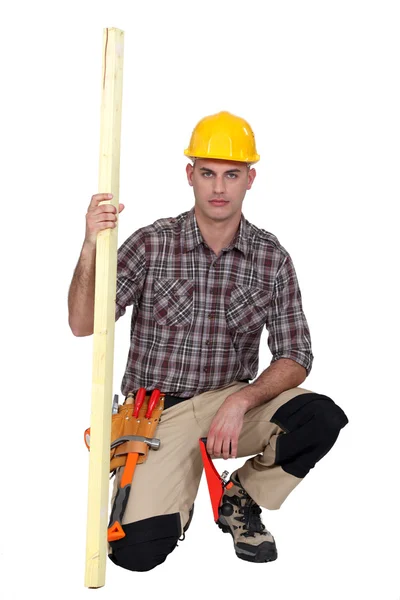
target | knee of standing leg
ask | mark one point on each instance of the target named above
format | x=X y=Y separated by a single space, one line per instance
x=147 y=543
x=312 y=423
x=330 y=418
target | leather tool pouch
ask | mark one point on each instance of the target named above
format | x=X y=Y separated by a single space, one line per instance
x=124 y=423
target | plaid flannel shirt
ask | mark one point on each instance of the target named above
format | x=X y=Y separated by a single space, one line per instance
x=197 y=318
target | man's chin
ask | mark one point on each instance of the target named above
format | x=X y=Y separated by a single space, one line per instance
x=217 y=214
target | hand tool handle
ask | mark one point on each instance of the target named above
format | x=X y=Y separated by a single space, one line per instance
x=214 y=481
x=115 y=531
x=140 y=396
x=154 y=398
x=153 y=443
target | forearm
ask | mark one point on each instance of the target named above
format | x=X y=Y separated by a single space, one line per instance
x=281 y=375
x=81 y=293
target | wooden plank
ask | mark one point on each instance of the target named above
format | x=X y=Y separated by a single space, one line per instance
x=104 y=313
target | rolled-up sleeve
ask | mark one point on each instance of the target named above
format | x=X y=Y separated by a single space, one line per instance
x=289 y=334
x=131 y=273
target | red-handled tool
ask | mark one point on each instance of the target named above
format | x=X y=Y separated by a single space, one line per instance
x=154 y=398
x=139 y=399
x=216 y=483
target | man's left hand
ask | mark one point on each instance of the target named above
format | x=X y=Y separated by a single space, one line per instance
x=223 y=435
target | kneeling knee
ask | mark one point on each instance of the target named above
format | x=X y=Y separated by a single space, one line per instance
x=143 y=557
x=147 y=543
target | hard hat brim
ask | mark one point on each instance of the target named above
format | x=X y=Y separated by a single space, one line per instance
x=250 y=159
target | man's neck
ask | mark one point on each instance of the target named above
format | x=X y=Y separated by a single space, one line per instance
x=217 y=234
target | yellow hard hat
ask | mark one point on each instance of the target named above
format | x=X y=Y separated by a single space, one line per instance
x=223 y=136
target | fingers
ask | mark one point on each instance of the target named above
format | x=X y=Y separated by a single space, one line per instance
x=222 y=446
x=210 y=443
x=229 y=448
x=108 y=211
x=234 y=448
x=97 y=198
x=100 y=216
x=226 y=448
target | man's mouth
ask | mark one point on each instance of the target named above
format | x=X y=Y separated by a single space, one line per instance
x=218 y=202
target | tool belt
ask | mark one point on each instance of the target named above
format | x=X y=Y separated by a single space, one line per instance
x=132 y=428
x=125 y=425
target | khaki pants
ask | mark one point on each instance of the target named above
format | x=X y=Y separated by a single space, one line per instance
x=169 y=480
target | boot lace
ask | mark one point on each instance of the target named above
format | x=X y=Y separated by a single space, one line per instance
x=251 y=517
x=252 y=520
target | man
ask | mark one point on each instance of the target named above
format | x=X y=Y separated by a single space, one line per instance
x=203 y=285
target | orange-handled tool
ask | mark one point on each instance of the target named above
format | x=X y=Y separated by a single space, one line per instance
x=115 y=531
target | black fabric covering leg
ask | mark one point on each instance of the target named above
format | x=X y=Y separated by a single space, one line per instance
x=147 y=543
x=312 y=423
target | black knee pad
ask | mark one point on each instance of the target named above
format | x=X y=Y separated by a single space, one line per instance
x=147 y=543
x=311 y=423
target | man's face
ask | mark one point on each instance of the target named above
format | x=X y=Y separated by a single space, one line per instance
x=219 y=187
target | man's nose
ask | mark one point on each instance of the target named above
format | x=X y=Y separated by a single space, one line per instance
x=219 y=184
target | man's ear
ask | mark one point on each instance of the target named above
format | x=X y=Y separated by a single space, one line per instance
x=189 y=173
x=252 y=175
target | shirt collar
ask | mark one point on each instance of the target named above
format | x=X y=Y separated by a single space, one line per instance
x=192 y=235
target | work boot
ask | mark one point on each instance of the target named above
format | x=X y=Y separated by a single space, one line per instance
x=239 y=515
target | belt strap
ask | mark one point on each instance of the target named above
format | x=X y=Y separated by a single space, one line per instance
x=170 y=400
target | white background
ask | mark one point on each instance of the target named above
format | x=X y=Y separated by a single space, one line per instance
x=319 y=83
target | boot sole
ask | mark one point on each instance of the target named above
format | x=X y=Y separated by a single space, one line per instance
x=262 y=553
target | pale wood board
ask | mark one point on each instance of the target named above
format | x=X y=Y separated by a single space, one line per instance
x=104 y=313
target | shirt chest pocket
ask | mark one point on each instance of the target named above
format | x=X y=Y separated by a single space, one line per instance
x=173 y=302
x=247 y=309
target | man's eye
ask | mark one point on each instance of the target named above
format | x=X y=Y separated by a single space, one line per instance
x=208 y=175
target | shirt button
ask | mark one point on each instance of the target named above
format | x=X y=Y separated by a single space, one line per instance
x=205 y=369
x=211 y=315
x=208 y=342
